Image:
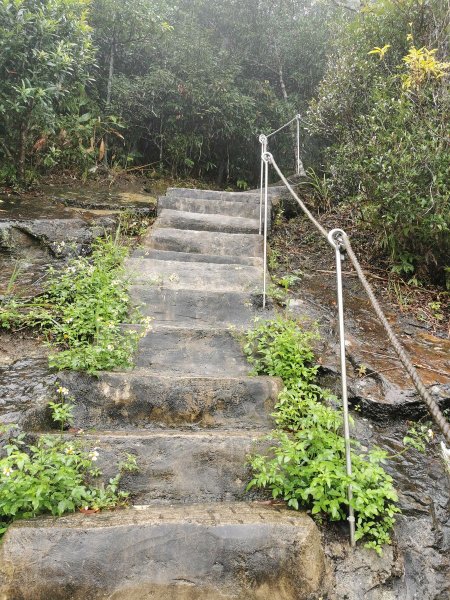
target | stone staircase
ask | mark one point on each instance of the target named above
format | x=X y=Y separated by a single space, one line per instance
x=190 y=412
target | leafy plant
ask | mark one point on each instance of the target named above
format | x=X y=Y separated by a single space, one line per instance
x=52 y=475
x=383 y=116
x=306 y=465
x=81 y=311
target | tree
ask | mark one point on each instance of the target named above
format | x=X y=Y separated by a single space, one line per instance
x=46 y=57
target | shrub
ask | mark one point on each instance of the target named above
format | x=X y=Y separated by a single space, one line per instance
x=306 y=466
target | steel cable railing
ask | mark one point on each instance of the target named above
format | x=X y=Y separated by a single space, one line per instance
x=340 y=243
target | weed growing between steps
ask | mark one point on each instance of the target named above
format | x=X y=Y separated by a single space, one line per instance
x=53 y=475
x=81 y=311
x=306 y=466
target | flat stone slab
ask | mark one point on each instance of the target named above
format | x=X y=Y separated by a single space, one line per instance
x=249 y=210
x=122 y=400
x=178 y=219
x=180 y=466
x=206 y=353
x=197 y=308
x=195 y=257
x=252 y=197
x=204 y=242
x=197 y=276
x=234 y=551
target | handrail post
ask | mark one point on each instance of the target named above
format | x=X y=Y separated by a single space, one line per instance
x=265 y=159
x=335 y=239
x=263 y=142
x=298 y=161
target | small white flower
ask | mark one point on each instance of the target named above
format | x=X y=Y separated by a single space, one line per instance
x=69 y=450
x=70 y=320
x=86 y=508
x=110 y=347
x=7 y=471
x=93 y=455
x=63 y=391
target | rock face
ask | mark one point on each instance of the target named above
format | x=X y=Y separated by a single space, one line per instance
x=201 y=552
x=190 y=414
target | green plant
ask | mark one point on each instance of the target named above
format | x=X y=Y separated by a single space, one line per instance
x=62 y=410
x=280 y=348
x=287 y=281
x=383 y=116
x=242 y=184
x=273 y=259
x=52 y=475
x=306 y=465
x=81 y=311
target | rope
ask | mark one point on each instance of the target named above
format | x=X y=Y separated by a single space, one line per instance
x=282 y=127
x=432 y=405
x=267 y=157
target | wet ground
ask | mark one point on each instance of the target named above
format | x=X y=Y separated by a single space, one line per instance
x=418 y=565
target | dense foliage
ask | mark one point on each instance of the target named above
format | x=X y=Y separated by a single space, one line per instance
x=306 y=466
x=184 y=89
x=384 y=108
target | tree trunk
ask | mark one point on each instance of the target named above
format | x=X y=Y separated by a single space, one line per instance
x=298 y=160
x=22 y=151
x=112 y=53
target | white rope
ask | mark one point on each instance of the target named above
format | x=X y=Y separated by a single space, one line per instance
x=282 y=127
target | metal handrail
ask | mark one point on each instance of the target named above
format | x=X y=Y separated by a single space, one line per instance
x=264 y=141
x=340 y=242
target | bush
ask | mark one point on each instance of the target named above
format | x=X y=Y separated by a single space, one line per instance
x=384 y=109
x=306 y=467
x=81 y=311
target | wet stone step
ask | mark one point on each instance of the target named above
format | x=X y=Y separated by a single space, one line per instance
x=207 y=353
x=196 y=257
x=205 y=242
x=251 y=197
x=177 y=466
x=177 y=219
x=197 y=276
x=198 y=308
x=123 y=400
x=247 y=210
x=196 y=552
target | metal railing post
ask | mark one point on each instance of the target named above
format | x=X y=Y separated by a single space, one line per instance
x=335 y=239
x=263 y=142
x=265 y=159
x=298 y=161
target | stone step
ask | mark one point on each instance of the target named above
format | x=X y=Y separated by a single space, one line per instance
x=195 y=257
x=252 y=197
x=197 y=352
x=230 y=208
x=198 y=308
x=175 y=275
x=204 y=242
x=124 y=400
x=178 y=466
x=176 y=219
x=237 y=551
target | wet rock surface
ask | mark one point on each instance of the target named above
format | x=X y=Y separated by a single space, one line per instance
x=234 y=552
x=416 y=567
